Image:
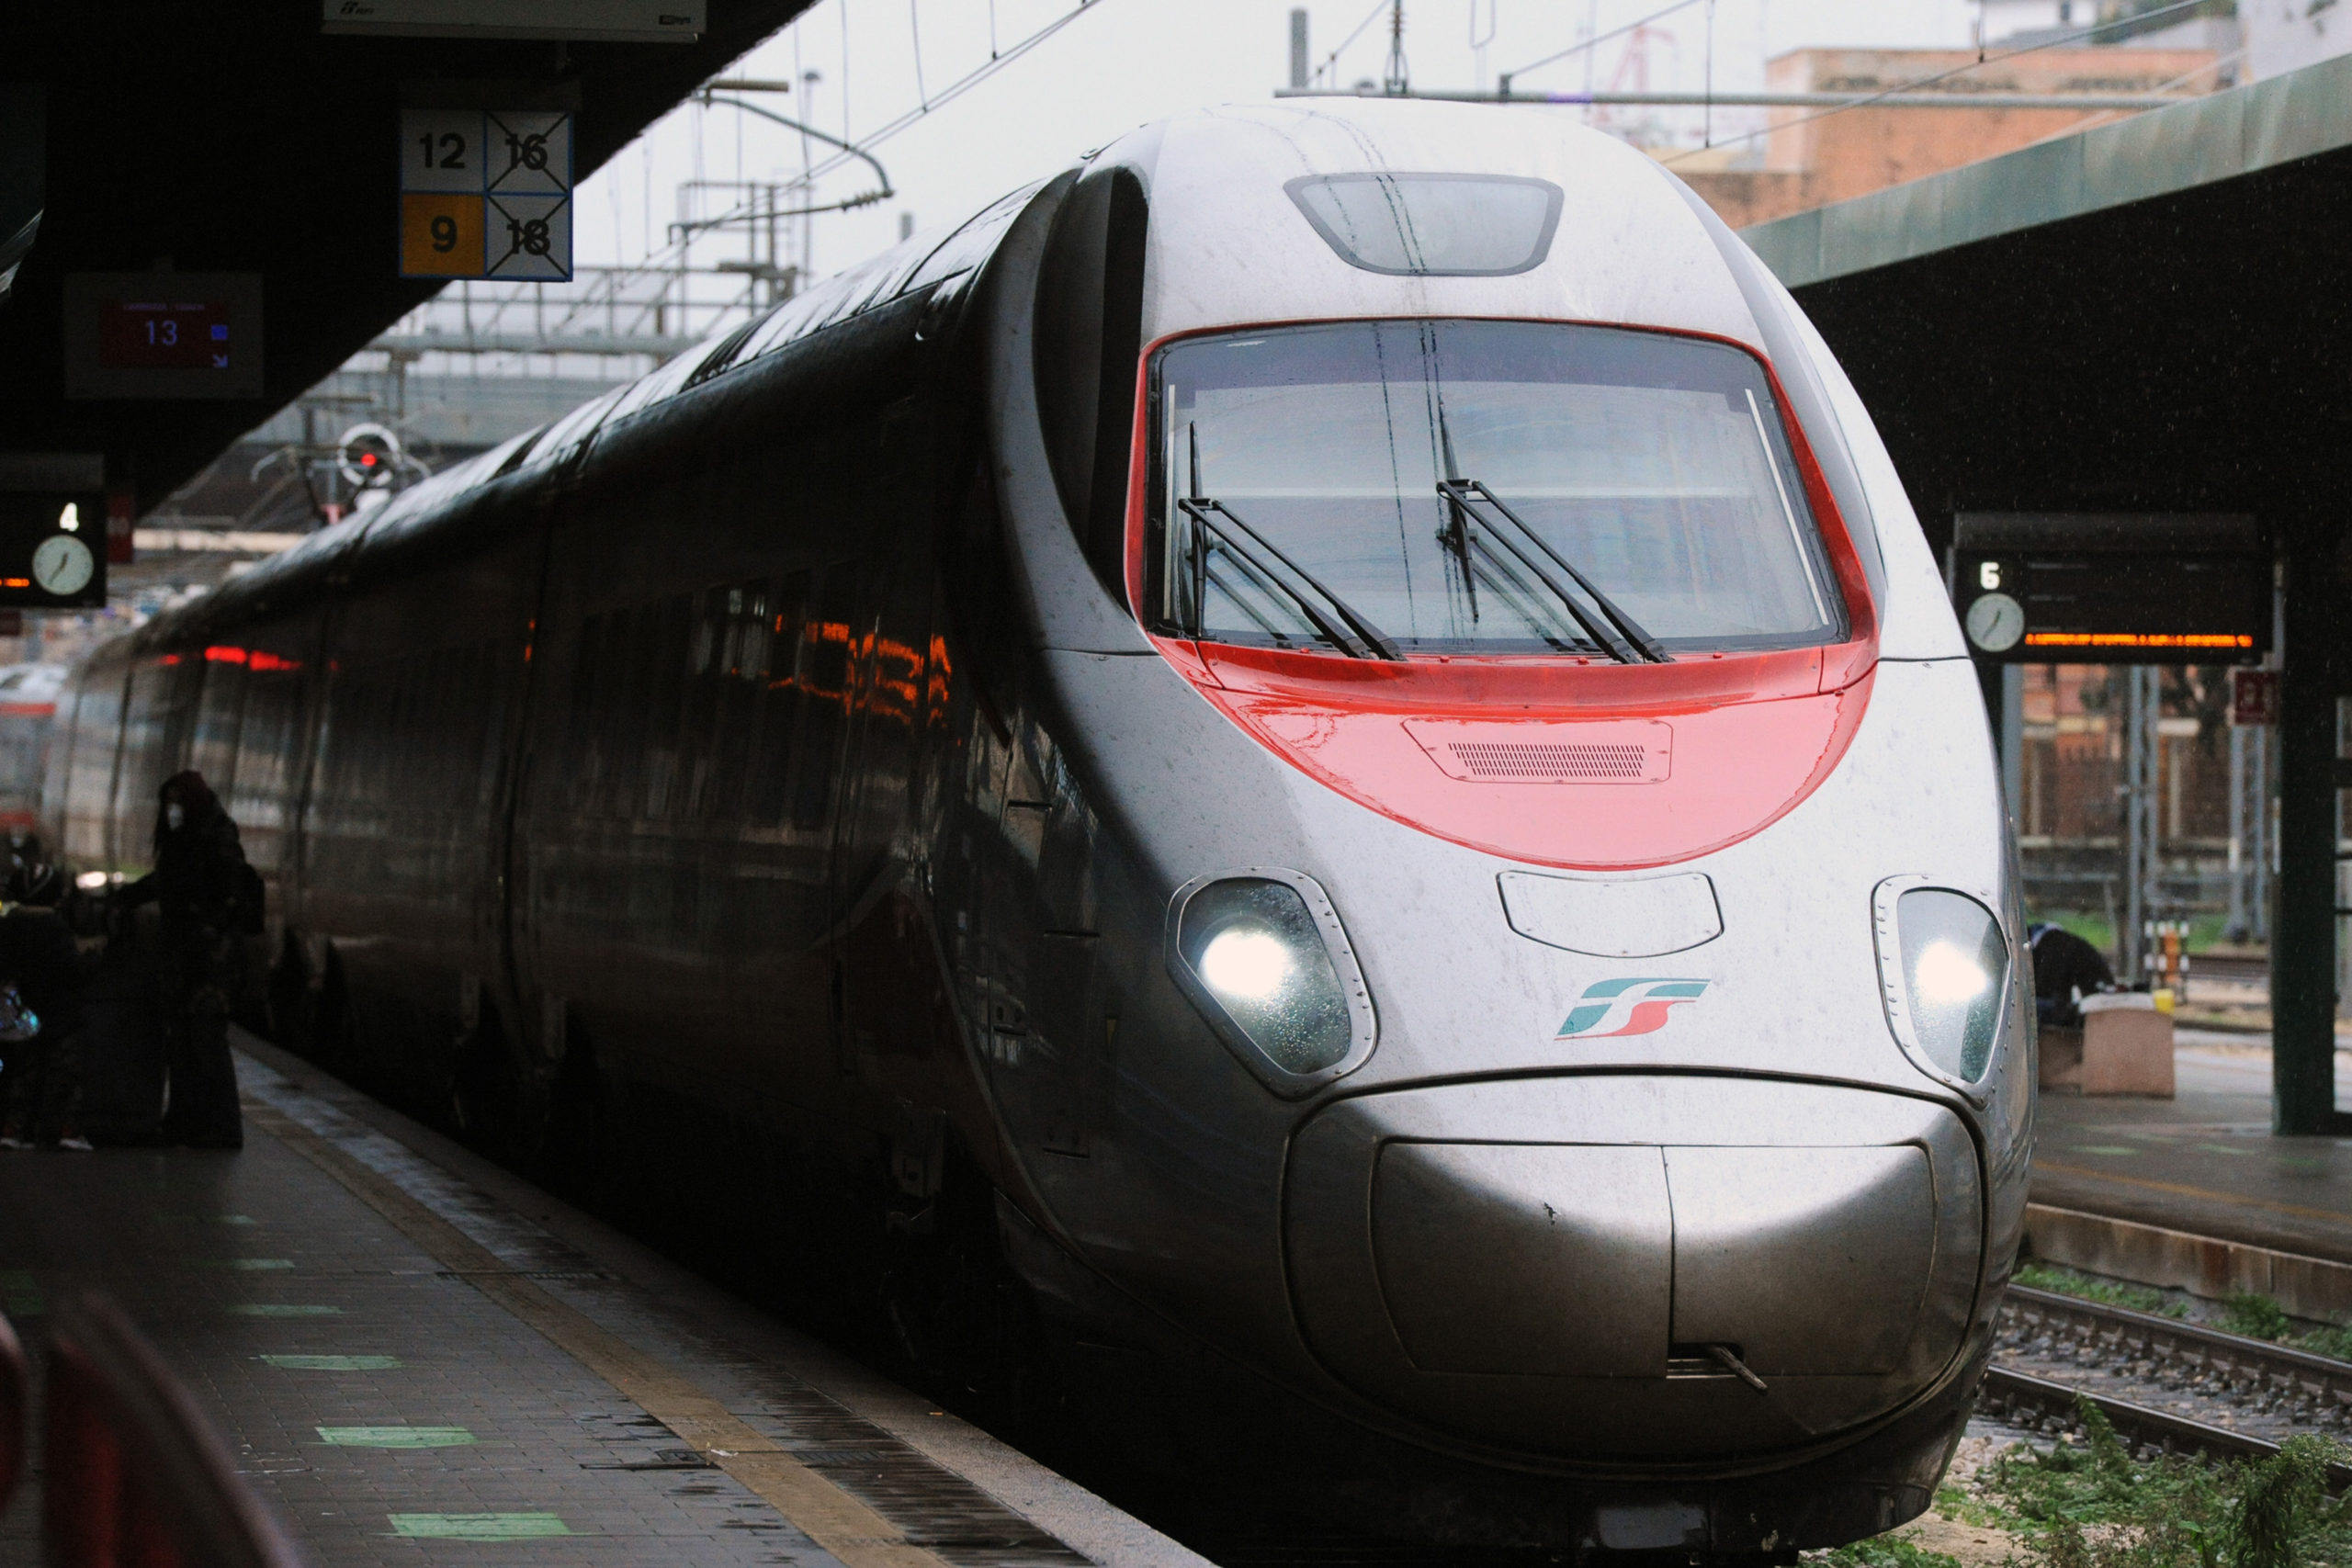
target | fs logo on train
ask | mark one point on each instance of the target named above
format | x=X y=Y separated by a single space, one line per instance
x=1610 y=1008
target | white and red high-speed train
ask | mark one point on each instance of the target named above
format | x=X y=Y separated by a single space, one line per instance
x=1319 y=762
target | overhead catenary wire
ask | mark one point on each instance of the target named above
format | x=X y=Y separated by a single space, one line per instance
x=742 y=209
x=1503 y=82
x=914 y=35
x=1905 y=88
x=1333 y=59
x=849 y=150
x=961 y=85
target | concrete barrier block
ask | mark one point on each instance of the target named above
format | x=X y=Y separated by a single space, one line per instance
x=2202 y=1266
x=2127 y=1050
x=2061 y=1059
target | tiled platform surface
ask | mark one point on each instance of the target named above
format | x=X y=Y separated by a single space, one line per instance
x=2205 y=1162
x=329 y=1343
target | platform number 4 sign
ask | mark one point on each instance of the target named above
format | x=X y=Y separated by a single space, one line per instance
x=485 y=193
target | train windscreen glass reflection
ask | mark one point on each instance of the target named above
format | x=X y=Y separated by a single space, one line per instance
x=1383 y=487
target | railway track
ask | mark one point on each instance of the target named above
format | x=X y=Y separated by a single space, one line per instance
x=2238 y=971
x=2277 y=1385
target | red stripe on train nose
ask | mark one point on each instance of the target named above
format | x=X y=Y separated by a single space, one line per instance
x=1649 y=1017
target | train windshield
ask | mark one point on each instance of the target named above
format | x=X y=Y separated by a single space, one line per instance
x=1383 y=487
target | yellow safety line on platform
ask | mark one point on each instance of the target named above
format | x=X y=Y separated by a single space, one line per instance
x=835 y=1520
x=2185 y=1190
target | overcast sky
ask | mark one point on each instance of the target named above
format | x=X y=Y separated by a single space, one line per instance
x=1121 y=62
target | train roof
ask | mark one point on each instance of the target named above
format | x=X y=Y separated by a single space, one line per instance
x=1229 y=243
x=1239 y=235
x=426 y=509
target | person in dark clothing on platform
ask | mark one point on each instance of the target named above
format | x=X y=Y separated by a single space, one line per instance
x=2065 y=970
x=206 y=892
x=38 y=957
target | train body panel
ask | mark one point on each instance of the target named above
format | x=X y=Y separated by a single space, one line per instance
x=1563 y=1062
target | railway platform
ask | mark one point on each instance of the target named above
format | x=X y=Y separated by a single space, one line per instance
x=2205 y=1164
x=414 y=1356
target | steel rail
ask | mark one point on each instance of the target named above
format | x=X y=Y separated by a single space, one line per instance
x=2226 y=1363
x=2013 y=1395
x=2233 y=1360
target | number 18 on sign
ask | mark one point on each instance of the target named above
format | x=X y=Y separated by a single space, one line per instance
x=485 y=193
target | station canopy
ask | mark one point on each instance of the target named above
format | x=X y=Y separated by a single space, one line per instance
x=243 y=139
x=2146 y=316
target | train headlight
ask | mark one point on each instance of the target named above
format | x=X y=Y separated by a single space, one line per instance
x=1943 y=975
x=1262 y=955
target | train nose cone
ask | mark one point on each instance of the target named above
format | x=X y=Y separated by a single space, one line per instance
x=1563 y=1266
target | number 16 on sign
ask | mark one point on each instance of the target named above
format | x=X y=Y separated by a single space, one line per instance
x=485 y=193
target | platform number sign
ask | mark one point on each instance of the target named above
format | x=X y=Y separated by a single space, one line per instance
x=485 y=193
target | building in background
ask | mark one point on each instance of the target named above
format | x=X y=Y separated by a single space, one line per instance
x=1810 y=159
x=2287 y=35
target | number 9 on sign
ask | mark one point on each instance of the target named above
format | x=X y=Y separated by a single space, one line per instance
x=441 y=234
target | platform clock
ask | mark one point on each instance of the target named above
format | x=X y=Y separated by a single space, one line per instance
x=1995 y=622
x=63 y=565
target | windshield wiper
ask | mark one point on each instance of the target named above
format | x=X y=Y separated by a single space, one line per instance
x=1616 y=631
x=1368 y=642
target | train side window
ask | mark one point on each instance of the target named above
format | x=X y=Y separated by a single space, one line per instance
x=723 y=702
x=669 y=658
x=265 y=740
x=488 y=677
x=433 y=722
x=149 y=755
x=89 y=780
x=743 y=681
x=339 y=739
x=828 y=669
x=775 y=734
x=219 y=713
x=699 y=785
x=399 y=695
x=583 y=759
x=390 y=702
x=625 y=639
x=55 y=778
x=354 y=736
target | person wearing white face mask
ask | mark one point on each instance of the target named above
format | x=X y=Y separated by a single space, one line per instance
x=210 y=900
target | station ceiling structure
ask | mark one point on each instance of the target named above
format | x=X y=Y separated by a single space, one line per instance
x=241 y=139
x=2148 y=316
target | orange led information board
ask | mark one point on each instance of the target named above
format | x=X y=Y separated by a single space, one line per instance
x=2076 y=588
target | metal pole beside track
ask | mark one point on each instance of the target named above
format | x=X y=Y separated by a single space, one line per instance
x=2304 y=940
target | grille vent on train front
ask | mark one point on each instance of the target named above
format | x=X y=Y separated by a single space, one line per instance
x=1487 y=759
x=1621 y=751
